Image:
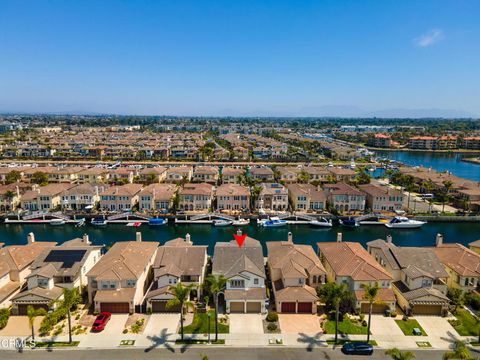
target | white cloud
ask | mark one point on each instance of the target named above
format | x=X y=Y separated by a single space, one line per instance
x=429 y=38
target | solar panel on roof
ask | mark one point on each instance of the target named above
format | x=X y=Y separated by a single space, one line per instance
x=66 y=257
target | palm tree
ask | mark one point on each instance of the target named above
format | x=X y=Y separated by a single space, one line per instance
x=371 y=295
x=447 y=185
x=460 y=352
x=32 y=313
x=428 y=187
x=333 y=293
x=396 y=354
x=409 y=188
x=71 y=298
x=216 y=285
x=181 y=294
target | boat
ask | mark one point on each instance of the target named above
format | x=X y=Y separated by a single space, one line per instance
x=241 y=222
x=80 y=222
x=134 y=224
x=322 y=222
x=222 y=223
x=57 y=222
x=401 y=222
x=157 y=221
x=273 y=222
x=98 y=222
x=374 y=220
x=350 y=222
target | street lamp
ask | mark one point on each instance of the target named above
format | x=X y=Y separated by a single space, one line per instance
x=208 y=315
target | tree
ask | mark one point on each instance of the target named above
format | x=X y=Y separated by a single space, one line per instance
x=215 y=286
x=459 y=352
x=456 y=297
x=371 y=295
x=151 y=179
x=428 y=187
x=32 y=313
x=447 y=185
x=303 y=177
x=13 y=177
x=396 y=354
x=181 y=295
x=332 y=295
x=362 y=178
x=71 y=298
x=40 y=178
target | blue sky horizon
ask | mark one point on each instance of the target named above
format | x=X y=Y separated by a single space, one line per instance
x=243 y=58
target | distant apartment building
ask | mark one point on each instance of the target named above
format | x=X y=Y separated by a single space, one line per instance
x=380 y=140
x=433 y=142
x=471 y=142
x=233 y=197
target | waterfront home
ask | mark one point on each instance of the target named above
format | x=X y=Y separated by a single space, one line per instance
x=208 y=174
x=272 y=196
x=196 y=197
x=93 y=175
x=296 y=274
x=233 y=197
x=81 y=196
x=262 y=174
x=349 y=263
x=44 y=198
x=15 y=261
x=177 y=261
x=342 y=174
x=344 y=198
x=306 y=197
x=179 y=174
x=231 y=175
x=381 y=198
x=420 y=280
x=10 y=195
x=461 y=263
x=122 y=175
x=244 y=269
x=152 y=174
x=118 y=282
x=120 y=198
x=54 y=269
x=157 y=197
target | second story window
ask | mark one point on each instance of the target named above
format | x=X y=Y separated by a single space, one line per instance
x=237 y=283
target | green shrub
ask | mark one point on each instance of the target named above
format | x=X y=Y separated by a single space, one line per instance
x=125 y=331
x=473 y=300
x=4 y=315
x=272 y=316
x=393 y=314
x=52 y=319
x=364 y=323
x=272 y=326
x=362 y=317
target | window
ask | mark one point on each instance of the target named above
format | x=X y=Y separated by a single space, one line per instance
x=255 y=281
x=131 y=283
x=237 y=283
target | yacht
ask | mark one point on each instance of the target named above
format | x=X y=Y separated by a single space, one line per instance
x=98 y=222
x=157 y=221
x=350 y=222
x=272 y=222
x=401 y=222
x=322 y=222
x=57 y=222
x=222 y=223
x=241 y=222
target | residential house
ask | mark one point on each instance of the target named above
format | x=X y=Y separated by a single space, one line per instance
x=177 y=261
x=10 y=195
x=54 y=269
x=344 y=198
x=81 y=197
x=342 y=174
x=262 y=174
x=157 y=197
x=289 y=174
x=122 y=175
x=155 y=174
x=66 y=174
x=420 y=280
x=244 y=269
x=306 y=197
x=120 y=198
x=43 y=198
x=272 y=196
x=233 y=197
x=317 y=174
x=179 y=174
x=349 y=263
x=93 y=175
x=382 y=198
x=231 y=175
x=118 y=282
x=296 y=274
x=196 y=197
x=207 y=174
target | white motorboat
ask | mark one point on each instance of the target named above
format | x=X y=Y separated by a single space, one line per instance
x=80 y=222
x=241 y=222
x=99 y=222
x=273 y=222
x=322 y=222
x=57 y=222
x=222 y=223
x=401 y=222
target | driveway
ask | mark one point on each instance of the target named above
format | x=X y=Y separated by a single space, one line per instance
x=162 y=323
x=388 y=334
x=439 y=331
x=299 y=323
x=116 y=324
x=110 y=336
x=18 y=326
x=246 y=323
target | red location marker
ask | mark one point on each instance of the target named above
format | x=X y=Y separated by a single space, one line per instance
x=240 y=239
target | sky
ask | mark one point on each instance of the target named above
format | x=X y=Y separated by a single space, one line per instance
x=241 y=58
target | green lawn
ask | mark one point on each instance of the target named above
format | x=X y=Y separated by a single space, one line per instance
x=344 y=327
x=466 y=324
x=408 y=326
x=199 y=342
x=39 y=344
x=341 y=342
x=200 y=325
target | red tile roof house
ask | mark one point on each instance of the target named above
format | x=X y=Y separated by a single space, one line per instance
x=177 y=174
x=120 y=198
x=345 y=198
x=208 y=174
x=158 y=174
x=157 y=197
x=230 y=175
x=382 y=198
x=196 y=197
x=296 y=273
x=233 y=197
x=351 y=264
x=264 y=174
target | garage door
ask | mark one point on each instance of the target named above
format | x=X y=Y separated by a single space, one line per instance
x=161 y=306
x=115 y=307
x=305 y=307
x=427 y=310
x=236 y=307
x=288 y=307
x=376 y=309
x=22 y=308
x=254 y=307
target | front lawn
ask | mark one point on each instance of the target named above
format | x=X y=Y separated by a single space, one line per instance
x=199 y=325
x=57 y=344
x=346 y=326
x=466 y=323
x=408 y=326
x=342 y=341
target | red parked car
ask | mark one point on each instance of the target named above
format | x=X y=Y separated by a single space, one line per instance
x=101 y=321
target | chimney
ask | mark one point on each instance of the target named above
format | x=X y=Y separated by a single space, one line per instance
x=239 y=232
x=138 y=236
x=187 y=239
x=389 y=239
x=86 y=239
x=339 y=237
x=439 y=240
x=31 y=238
x=290 y=237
